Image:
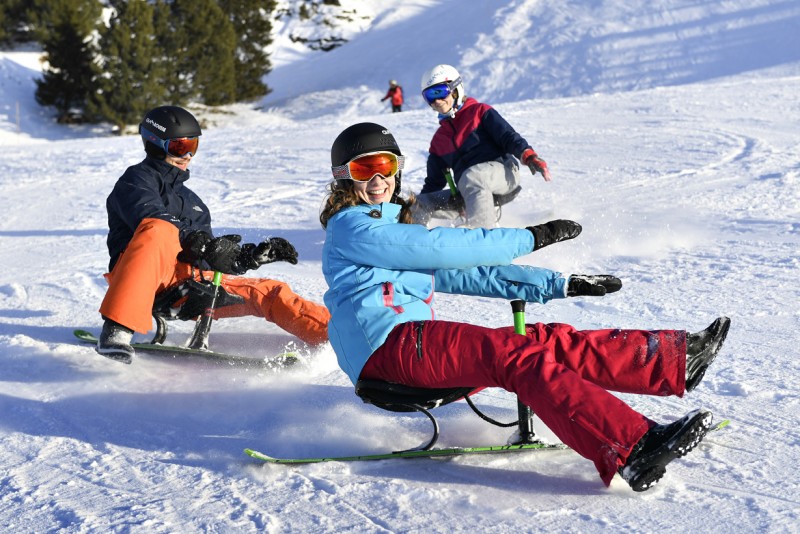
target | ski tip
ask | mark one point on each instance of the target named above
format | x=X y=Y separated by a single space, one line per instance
x=84 y=335
x=257 y=455
x=722 y=424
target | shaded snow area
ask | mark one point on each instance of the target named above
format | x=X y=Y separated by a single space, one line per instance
x=671 y=131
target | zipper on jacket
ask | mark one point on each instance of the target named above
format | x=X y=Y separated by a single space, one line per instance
x=418 y=326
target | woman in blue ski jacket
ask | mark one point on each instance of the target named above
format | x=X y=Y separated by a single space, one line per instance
x=383 y=271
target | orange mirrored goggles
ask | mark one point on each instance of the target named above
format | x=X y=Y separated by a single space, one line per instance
x=365 y=167
x=181 y=146
x=177 y=147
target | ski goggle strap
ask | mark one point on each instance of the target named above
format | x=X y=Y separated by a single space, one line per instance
x=177 y=147
x=439 y=91
x=365 y=167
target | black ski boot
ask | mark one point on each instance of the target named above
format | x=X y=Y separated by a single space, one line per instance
x=115 y=342
x=702 y=348
x=662 y=444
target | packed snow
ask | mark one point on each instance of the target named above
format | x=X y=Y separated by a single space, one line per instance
x=671 y=130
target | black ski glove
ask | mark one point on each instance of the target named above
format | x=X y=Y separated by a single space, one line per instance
x=273 y=249
x=193 y=247
x=553 y=232
x=592 y=285
x=221 y=253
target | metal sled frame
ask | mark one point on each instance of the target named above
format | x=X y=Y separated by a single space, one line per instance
x=401 y=398
x=186 y=301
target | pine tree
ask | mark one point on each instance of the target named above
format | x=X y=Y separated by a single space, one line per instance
x=199 y=42
x=251 y=20
x=13 y=22
x=64 y=28
x=5 y=23
x=132 y=65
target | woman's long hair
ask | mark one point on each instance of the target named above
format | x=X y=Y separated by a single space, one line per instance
x=342 y=195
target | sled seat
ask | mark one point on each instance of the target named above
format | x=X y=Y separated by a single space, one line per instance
x=456 y=203
x=400 y=398
x=185 y=301
x=502 y=200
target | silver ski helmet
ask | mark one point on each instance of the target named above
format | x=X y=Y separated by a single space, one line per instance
x=164 y=123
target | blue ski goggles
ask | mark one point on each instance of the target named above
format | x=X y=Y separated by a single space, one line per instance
x=439 y=91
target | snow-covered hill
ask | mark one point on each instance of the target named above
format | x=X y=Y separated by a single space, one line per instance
x=671 y=131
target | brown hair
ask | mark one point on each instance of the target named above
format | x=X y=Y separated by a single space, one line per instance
x=342 y=195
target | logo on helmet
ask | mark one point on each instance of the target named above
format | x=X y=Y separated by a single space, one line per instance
x=148 y=120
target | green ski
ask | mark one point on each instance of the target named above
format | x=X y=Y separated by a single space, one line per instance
x=277 y=363
x=453 y=451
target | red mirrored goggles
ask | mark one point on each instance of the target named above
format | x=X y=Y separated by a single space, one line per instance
x=177 y=147
x=365 y=167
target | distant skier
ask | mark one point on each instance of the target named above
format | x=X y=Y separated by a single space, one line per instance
x=395 y=92
x=478 y=146
x=159 y=229
x=382 y=274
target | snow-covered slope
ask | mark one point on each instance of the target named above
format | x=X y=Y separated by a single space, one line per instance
x=689 y=190
x=527 y=49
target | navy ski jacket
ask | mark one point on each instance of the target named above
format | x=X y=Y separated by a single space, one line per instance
x=476 y=134
x=152 y=189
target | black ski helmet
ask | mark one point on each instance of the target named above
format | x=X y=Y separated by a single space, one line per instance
x=363 y=138
x=168 y=122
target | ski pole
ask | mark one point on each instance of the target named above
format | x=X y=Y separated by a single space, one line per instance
x=526 y=434
x=202 y=327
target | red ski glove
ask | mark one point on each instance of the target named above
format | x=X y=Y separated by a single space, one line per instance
x=535 y=163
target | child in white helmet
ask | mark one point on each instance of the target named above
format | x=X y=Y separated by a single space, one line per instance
x=480 y=150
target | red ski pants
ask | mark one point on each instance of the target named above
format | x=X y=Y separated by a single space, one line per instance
x=149 y=265
x=562 y=373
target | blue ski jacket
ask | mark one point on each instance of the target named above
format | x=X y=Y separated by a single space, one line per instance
x=476 y=134
x=381 y=273
x=152 y=189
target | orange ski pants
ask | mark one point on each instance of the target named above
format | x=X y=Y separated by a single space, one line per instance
x=149 y=265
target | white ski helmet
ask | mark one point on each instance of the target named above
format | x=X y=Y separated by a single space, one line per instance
x=449 y=75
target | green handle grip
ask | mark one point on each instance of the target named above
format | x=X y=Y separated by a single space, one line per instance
x=518 y=307
x=448 y=174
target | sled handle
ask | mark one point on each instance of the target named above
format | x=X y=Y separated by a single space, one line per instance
x=526 y=434
x=448 y=175
x=202 y=327
x=518 y=309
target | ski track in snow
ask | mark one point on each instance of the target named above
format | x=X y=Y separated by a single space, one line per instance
x=687 y=186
